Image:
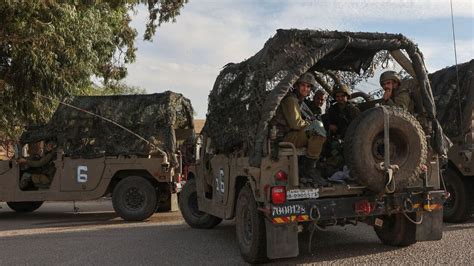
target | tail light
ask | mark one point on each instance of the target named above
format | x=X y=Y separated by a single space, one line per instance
x=281 y=176
x=364 y=207
x=278 y=194
x=432 y=207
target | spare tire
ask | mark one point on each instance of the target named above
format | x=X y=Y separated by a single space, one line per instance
x=364 y=148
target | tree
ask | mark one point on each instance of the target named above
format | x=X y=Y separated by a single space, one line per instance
x=113 y=88
x=53 y=48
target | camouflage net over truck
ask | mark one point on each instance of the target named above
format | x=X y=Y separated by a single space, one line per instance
x=453 y=114
x=246 y=95
x=160 y=118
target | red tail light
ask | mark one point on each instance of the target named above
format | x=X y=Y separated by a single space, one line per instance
x=364 y=207
x=278 y=194
x=281 y=176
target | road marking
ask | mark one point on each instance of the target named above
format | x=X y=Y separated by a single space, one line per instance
x=82 y=228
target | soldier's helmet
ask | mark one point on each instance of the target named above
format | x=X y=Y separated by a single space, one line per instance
x=307 y=78
x=341 y=88
x=389 y=75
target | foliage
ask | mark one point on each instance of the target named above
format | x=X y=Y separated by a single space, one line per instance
x=53 y=48
x=113 y=88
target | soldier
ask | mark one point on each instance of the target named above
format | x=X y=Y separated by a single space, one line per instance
x=394 y=95
x=341 y=114
x=300 y=132
x=41 y=171
x=316 y=105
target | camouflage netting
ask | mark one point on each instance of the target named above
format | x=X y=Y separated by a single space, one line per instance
x=246 y=95
x=161 y=118
x=454 y=114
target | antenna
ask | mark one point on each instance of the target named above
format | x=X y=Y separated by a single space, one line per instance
x=457 y=72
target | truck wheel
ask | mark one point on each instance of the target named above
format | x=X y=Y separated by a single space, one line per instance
x=364 y=148
x=397 y=230
x=134 y=198
x=250 y=228
x=188 y=204
x=25 y=206
x=456 y=207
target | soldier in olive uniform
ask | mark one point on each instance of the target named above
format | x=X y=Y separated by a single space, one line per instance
x=316 y=104
x=394 y=95
x=41 y=171
x=300 y=132
x=341 y=114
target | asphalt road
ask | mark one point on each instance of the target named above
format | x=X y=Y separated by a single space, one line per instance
x=96 y=236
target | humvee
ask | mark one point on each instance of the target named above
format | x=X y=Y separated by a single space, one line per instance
x=99 y=155
x=245 y=172
x=453 y=90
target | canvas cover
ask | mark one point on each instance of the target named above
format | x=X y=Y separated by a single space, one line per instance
x=454 y=104
x=246 y=95
x=159 y=118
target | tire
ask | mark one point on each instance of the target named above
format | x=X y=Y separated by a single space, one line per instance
x=364 y=148
x=250 y=228
x=397 y=230
x=134 y=198
x=25 y=206
x=456 y=207
x=188 y=204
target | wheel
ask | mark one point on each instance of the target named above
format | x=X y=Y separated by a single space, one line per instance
x=250 y=228
x=456 y=207
x=397 y=230
x=188 y=204
x=25 y=206
x=134 y=198
x=364 y=148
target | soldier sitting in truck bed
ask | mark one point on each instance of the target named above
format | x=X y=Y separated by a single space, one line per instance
x=296 y=130
x=39 y=172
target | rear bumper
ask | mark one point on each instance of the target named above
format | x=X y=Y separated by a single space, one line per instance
x=330 y=209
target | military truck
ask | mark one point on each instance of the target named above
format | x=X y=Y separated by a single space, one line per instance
x=244 y=171
x=123 y=146
x=453 y=90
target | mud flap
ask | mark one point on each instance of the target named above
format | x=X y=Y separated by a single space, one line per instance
x=174 y=202
x=282 y=240
x=432 y=226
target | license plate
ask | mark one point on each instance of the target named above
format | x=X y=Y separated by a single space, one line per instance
x=287 y=210
x=311 y=193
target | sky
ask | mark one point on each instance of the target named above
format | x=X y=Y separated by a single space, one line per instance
x=186 y=56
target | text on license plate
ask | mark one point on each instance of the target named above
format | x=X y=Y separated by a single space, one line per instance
x=290 y=209
x=293 y=194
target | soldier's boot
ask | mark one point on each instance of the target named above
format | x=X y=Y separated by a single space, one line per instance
x=313 y=173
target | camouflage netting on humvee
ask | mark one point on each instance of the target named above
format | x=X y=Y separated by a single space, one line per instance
x=454 y=105
x=156 y=117
x=246 y=95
